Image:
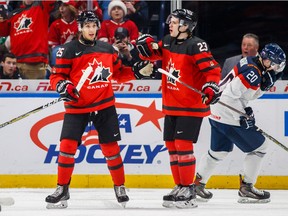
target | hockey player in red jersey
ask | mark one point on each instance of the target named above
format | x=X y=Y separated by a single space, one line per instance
x=188 y=58
x=247 y=81
x=82 y=76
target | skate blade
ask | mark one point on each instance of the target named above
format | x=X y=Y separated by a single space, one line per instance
x=60 y=205
x=123 y=204
x=247 y=200
x=7 y=201
x=168 y=204
x=186 y=204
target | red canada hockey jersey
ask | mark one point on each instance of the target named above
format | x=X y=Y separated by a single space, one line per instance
x=28 y=30
x=192 y=63
x=61 y=32
x=90 y=69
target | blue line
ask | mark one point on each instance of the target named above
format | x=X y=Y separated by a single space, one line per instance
x=55 y=95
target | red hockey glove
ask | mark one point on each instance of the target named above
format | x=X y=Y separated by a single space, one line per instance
x=67 y=90
x=211 y=91
x=147 y=46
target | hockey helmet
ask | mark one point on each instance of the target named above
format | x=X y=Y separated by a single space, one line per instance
x=88 y=16
x=185 y=16
x=275 y=54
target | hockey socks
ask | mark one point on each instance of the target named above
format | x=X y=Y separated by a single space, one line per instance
x=173 y=157
x=66 y=160
x=186 y=161
x=111 y=151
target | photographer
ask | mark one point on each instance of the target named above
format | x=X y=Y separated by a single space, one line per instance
x=126 y=51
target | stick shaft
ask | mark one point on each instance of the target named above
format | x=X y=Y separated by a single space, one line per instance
x=30 y=112
x=78 y=87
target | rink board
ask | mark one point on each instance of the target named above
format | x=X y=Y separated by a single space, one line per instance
x=30 y=146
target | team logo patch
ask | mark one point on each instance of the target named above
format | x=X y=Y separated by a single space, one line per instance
x=23 y=23
x=99 y=73
x=172 y=70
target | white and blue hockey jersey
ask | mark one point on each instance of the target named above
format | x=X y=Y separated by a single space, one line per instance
x=239 y=87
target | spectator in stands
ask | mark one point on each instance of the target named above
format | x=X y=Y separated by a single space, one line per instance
x=82 y=6
x=249 y=47
x=28 y=31
x=64 y=29
x=8 y=69
x=137 y=11
x=117 y=10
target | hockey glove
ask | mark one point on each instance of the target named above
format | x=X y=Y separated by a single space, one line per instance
x=67 y=90
x=211 y=91
x=142 y=69
x=268 y=80
x=248 y=123
x=146 y=45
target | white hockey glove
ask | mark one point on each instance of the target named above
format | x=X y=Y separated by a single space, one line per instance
x=142 y=69
x=67 y=90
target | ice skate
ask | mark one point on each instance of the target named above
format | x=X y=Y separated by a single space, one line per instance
x=201 y=192
x=186 y=197
x=249 y=194
x=121 y=195
x=58 y=200
x=169 y=199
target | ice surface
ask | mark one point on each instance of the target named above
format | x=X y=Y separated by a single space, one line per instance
x=143 y=202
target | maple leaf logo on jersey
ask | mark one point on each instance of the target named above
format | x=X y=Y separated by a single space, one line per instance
x=171 y=69
x=68 y=36
x=23 y=23
x=99 y=73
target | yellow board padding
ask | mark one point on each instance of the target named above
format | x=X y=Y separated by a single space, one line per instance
x=134 y=181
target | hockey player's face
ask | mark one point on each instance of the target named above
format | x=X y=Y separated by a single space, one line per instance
x=174 y=27
x=267 y=63
x=89 y=30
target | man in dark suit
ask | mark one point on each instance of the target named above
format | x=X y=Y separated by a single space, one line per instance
x=249 y=47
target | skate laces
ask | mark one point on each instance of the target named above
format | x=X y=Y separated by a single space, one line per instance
x=58 y=191
x=120 y=190
x=175 y=190
x=257 y=191
x=185 y=191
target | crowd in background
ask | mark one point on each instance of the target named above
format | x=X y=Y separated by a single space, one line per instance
x=146 y=15
x=34 y=30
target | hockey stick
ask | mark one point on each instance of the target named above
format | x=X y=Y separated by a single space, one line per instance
x=78 y=87
x=31 y=112
x=226 y=105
